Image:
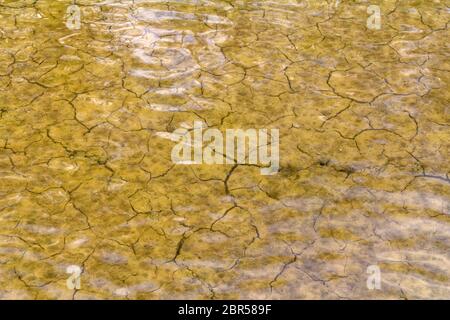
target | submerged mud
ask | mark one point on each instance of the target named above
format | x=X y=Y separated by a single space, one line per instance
x=87 y=179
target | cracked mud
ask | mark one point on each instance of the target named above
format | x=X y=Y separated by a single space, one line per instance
x=86 y=177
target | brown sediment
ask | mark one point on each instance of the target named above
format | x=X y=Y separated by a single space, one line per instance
x=86 y=176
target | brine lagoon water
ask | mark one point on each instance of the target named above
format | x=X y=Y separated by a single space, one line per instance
x=93 y=207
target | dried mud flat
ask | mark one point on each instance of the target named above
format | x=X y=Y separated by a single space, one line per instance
x=86 y=177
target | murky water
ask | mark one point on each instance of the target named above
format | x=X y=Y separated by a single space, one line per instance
x=87 y=180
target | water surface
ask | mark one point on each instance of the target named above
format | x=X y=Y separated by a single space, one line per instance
x=87 y=179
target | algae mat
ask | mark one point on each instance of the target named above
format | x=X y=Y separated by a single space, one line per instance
x=92 y=205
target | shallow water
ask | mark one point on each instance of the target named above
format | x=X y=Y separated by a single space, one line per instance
x=85 y=159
